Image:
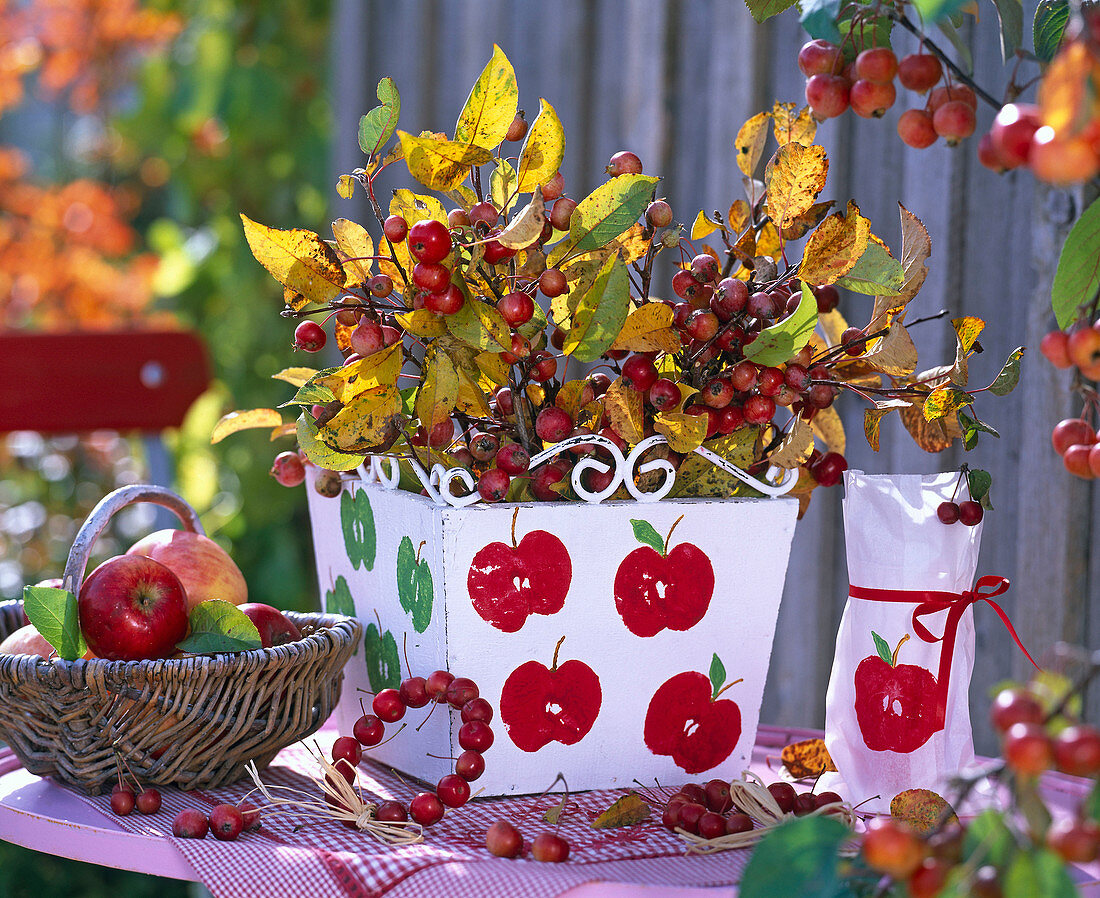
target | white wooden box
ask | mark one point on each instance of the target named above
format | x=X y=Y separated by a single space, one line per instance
x=645 y=634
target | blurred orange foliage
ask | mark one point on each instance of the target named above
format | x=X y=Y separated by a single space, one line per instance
x=67 y=251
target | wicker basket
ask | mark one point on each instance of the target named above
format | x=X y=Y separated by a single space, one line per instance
x=191 y=722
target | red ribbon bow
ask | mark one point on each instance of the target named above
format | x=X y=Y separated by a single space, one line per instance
x=930 y=601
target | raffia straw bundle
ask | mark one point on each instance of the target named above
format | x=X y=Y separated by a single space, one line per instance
x=751 y=796
x=342 y=802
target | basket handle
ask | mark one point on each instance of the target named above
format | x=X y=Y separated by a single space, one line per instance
x=101 y=515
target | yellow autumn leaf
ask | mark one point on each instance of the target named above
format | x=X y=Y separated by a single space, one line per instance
x=833 y=325
x=569 y=397
x=471 y=398
x=345 y=187
x=624 y=409
x=916 y=248
x=298 y=259
x=628 y=810
x=828 y=427
x=795 y=447
x=543 y=150
x=246 y=420
x=295 y=376
x=371 y=422
x=794 y=177
x=931 y=436
x=491 y=105
x=414 y=207
x=357 y=247
x=379 y=369
x=835 y=246
x=739 y=216
x=768 y=242
x=749 y=142
x=702 y=226
x=440 y=164
x=684 y=432
x=648 y=329
x=422 y=323
x=526 y=227
x=493 y=367
x=438 y=392
x=793 y=127
x=894 y=354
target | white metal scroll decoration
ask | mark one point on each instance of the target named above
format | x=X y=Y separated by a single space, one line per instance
x=439 y=482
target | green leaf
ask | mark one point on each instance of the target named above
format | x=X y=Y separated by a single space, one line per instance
x=935 y=10
x=312 y=393
x=645 y=533
x=54 y=615
x=377 y=126
x=1006 y=381
x=357 y=525
x=876 y=273
x=965 y=60
x=819 y=19
x=481 y=326
x=717 y=675
x=600 y=313
x=1077 y=277
x=762 y=10
x=1038 y=873
x=1051 y=18
x=535 y=326
x=383 y=662
x=1091 y=805
x=1011 y=16
x=605 y=213
x=776 y=344
x=866 y=32
x=319 y=452
x=799 y=857
x=883 y=648
x=219 y=626
x=988 y=834
x=979 y=483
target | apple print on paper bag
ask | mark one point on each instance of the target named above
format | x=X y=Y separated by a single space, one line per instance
x=508 y=583
x=414 y=584
x=898 y=706
x=539 y=705
x=656 y=588
x=338 y=600
x=687 y=721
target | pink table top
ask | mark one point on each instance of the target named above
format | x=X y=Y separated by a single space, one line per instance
x=39 y=814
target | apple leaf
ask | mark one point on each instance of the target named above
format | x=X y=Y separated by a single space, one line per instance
x=600 y=313
x=1038 y=871
x=376 y=127
x=297 y=259
x=645 y=533
x=798 y=857
x=543 y=150
x=1051 y=18
x=883 y=648
x=357 y=524
x=345 y=187
x=1006 y=381
x=988 y=834
x=717 y=675
x=319 y=452
x=219 y=626
x=606 y=213
x=554 y=813
x=807 y=758
x=491 y=105
x=979 y=483
x=922 y=809
x=776 y=344
x=819 y=19
x=232 y=422
x=628 y=810
x=54 y=614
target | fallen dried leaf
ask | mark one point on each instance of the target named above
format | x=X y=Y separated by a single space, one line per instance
x=626 y=811
x=807 y=758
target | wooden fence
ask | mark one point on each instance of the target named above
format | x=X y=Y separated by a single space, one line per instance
x=673 y=80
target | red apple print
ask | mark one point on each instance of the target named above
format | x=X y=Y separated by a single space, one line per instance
x=656 y=588
x=898 y=706
x=507 y=583
x=539 y=706
x=686 y=720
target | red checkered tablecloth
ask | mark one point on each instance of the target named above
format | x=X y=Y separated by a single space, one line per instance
x=293 y=855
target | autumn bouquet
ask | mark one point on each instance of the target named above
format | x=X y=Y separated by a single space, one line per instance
x=513 y=341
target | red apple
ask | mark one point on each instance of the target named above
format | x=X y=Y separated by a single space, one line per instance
x=132 y=608
x=559 y=704
x=26 y=641
x=654 y=590
x=508 y=583
x=274 y=626
x=683 y=721
x=898 y=706
x=203 y=567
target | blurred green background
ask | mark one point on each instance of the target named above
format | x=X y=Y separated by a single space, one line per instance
x=182 y=132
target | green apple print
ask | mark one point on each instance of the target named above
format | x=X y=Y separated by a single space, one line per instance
x=338 y=600
x=414 y=584
x=383 y=662
x=357 y=522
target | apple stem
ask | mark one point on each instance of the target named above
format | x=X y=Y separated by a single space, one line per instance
x=667 y=538
x=554 y=665
x=515 y=514
x=727 y=686
x=420 y=549
x=894 y=657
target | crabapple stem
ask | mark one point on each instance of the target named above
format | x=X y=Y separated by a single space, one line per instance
x=902 y=20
